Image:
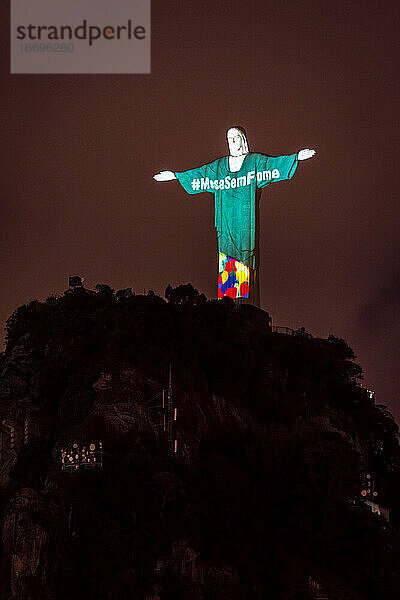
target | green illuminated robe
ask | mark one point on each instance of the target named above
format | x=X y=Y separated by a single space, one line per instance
x=237 y=198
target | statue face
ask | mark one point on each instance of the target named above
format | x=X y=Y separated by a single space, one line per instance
x=235 y=142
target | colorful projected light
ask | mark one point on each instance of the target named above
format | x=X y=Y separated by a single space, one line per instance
x=233 y=278
x=237 y=181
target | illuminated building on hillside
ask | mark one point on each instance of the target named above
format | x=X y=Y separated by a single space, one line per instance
x=84 y=456
x=368 y=486
x=369 y=495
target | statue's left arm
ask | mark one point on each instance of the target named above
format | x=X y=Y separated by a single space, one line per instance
x=279 y=168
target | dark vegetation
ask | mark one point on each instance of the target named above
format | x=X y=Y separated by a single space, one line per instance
x=275 y=432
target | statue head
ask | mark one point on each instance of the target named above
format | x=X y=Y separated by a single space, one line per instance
x=237 y=141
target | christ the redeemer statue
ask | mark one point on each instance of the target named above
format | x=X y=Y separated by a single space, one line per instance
x=236 y=182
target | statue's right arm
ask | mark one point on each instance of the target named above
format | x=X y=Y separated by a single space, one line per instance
x=164 y=176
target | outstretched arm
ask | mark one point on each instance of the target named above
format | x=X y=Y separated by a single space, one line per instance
x=304 y=154
x=164 y=176
x=278 y=168
x=193 y=181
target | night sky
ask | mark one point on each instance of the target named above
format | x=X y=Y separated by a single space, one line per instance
x=79 y=153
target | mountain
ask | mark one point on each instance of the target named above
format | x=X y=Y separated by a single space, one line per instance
x=183 y=448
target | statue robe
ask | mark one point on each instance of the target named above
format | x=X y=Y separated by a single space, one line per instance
x=236 y=198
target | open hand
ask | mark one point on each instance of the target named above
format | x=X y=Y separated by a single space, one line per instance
x=306 y=153
x=164 y=176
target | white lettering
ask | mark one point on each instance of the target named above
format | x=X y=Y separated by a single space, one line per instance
x=233 y=182
x=250 y=176
x=275 y=173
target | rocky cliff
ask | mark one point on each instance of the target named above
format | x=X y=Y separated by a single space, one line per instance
x=182 y=448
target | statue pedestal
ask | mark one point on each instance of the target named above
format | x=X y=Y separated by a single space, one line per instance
x=259 y=318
